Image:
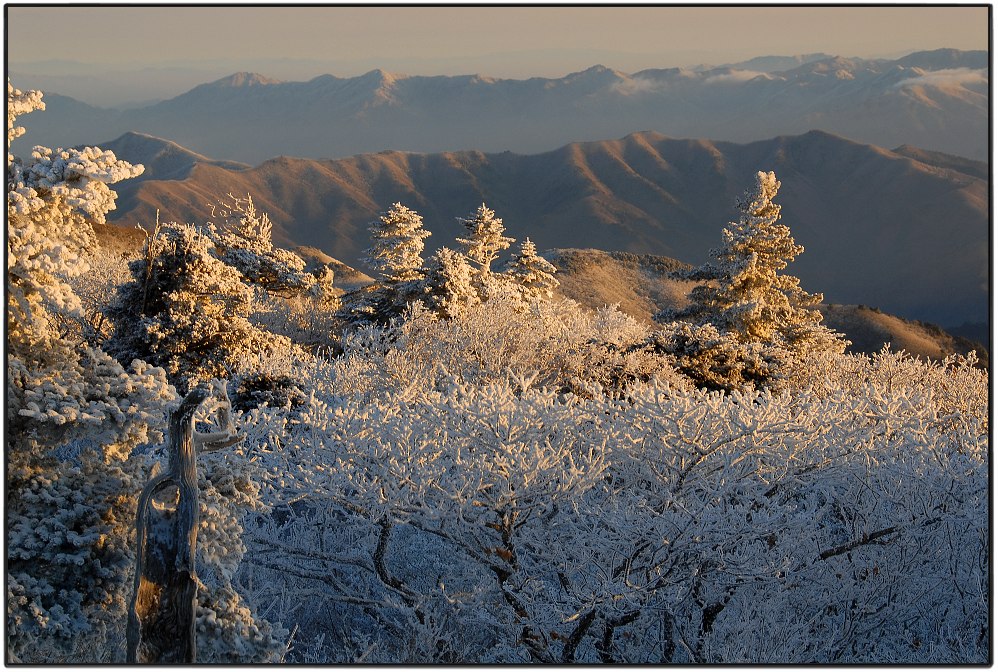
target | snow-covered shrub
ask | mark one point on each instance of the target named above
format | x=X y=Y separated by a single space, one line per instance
x=488 y=520
x=186 y=310
x=106 y=271
x=540 y=343
x=716 y=360
x=73 y=413
x=255 y=389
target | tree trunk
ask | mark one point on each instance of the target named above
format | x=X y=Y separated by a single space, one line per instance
x=161 y=613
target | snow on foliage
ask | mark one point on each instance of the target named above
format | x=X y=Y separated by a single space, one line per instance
x=68 y=512
x=398 y=245
x=746 y=317
x=532 y=271
x=485 y=237
x=186 y=310
x=243 y=240
x=460 y=467
x=478 y=516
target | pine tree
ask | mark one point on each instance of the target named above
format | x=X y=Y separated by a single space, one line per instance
x=485 y=238
x=398 y=245
x=744 y=292
x=449 y=284
x=532 y=272
x=187 y=311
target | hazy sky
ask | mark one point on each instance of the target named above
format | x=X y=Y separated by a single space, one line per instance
x=499 y=41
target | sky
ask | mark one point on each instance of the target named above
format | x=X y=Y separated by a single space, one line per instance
x=501 y=41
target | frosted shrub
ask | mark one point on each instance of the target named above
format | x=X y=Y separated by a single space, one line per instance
x=541 y=343
x=485 y=520
x=73 y=413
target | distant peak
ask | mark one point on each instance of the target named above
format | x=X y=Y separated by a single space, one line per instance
x=242 y=79
x=381 y=77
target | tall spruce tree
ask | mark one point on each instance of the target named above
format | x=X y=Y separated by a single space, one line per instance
x=744 y=292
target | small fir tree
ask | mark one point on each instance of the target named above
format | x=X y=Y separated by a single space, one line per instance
x=485 y=238
x=532 y=272
x=398 y=245
x=449 y=284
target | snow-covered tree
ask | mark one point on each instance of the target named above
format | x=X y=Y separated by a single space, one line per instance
x=243 y=240
x=396 y=255
x=73 y=413
x=532 y=272
x=746 y=294
x=186 y=310
x=450 y=283
x=485 y=239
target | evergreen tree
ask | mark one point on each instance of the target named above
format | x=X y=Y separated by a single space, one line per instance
x=744 y=293
x=485 y=238
x=73 y=413
x=449 y=284
x=186 y=311
x=398 y=245
x=532 y=272
x=243 y=240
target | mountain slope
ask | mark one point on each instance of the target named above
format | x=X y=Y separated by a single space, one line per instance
x=934 y=100
x=878 y=228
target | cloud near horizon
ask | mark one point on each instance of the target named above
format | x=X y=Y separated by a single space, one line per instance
x=949 y=77
x=736 y=77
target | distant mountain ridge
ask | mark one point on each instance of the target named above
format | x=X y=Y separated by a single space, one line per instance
x=879 y=228
x=933 y=100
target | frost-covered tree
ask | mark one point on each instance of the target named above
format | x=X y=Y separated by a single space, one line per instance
x=73 y=413
x=243 y=240
x=396 y=255
x=745 y=292
x=186 y=310
x=450 y=284
x=485 y=239
x=532 y=272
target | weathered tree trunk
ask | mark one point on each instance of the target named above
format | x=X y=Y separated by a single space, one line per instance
x=161 y=614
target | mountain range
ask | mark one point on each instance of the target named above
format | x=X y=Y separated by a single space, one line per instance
x=934 y=100
x=906 y=231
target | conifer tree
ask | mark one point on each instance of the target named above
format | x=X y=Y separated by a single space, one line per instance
x=485 y=238
x=187 y=311
x=398 y=245
x=243 y=239
x=449 y=284
x=532 y=272
x=743 y=291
